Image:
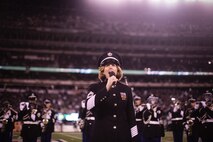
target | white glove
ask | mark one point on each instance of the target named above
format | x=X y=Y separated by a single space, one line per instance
x=187 y=127
x=148 y=106
x=175 y=109
x=42 y=124
x=33 y=117
x=203 y=103
x=155 y=114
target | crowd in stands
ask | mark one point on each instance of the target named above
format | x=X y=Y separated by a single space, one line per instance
x=134 y=25
x=191 y=64
x=184 y=21
x=48 y=29
x=53 y=25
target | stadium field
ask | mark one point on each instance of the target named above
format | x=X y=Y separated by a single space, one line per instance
x=76 y=137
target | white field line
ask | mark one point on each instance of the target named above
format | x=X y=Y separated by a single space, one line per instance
x=67 y=135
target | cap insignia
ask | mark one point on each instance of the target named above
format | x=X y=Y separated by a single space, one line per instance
x=109 y=54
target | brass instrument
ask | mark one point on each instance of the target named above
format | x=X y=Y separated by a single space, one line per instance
x=45 y=122
x=81 y=123
x=4 y=120
x=190 y=124
x=4 y=123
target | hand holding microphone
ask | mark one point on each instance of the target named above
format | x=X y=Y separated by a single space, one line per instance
x=112 y=80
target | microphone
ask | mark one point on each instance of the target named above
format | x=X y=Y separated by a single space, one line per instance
x=111 y=73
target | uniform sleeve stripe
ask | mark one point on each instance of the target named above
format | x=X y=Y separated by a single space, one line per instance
x=91 y=102
x=134 y=131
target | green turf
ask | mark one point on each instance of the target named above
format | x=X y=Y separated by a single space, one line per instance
x=76 y=137
x=169 y=138
x=69 y=137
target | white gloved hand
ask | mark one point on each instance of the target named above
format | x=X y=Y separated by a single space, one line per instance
x=203 y=103
x=187 y=127
x=33 y=117
x=148 y=106
x=155 y=114
x=42 y=124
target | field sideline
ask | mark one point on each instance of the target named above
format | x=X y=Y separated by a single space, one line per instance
x=76 y=137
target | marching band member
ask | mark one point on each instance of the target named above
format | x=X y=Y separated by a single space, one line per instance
x=139 y=108
x=206 y=118
x=48 y=121
x=176 y=115
x=86 y=122
x=81 y=120
x=7 y=118
x=153 y=129
x=191 y=121
x=31 y=119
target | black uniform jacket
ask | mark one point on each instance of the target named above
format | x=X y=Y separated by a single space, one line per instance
x=177 y=120
x=152 y=126
x=114 y=113
x=10 y=115
x=30 y=128
x=193 y=114
x=139 y=118
x=207 y=124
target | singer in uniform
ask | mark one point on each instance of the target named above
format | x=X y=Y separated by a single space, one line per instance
x=112 y=103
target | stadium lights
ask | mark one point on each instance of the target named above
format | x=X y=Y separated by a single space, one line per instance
x=172 y=1
x=154 y=1
x=163 y=1
x=119 y=2
x=204 y=1
x=107 y=2
x=191 y=0
x=95 y=71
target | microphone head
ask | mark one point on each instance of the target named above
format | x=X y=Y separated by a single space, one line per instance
x=111 y=73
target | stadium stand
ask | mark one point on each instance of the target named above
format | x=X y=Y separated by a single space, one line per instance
x=72 y=37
